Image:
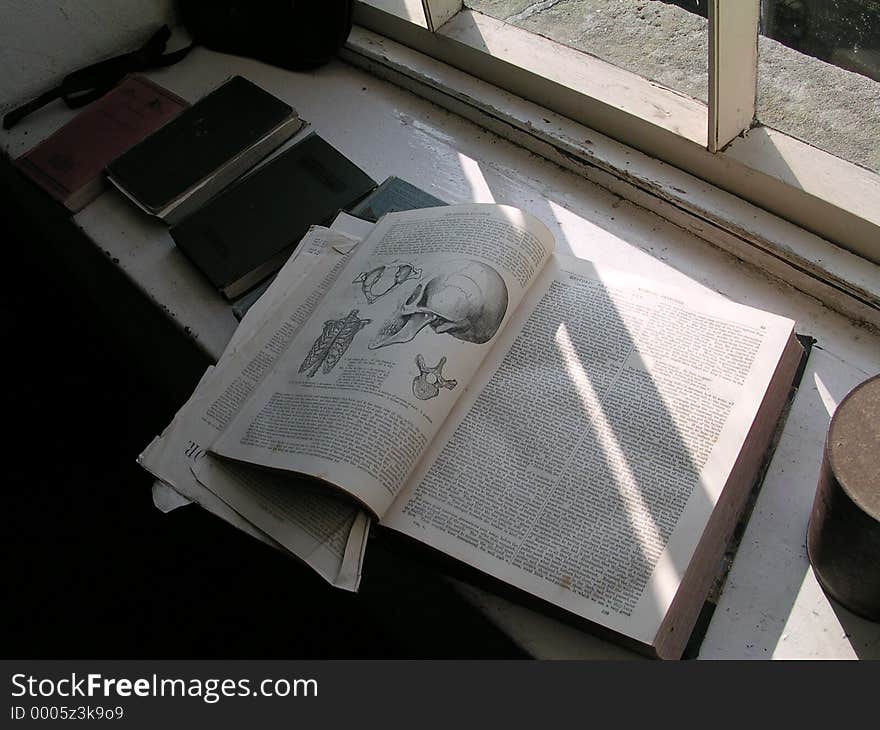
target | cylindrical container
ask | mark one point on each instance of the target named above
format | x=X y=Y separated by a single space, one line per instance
x=843 y=537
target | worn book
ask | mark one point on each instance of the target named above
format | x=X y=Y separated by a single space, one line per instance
x=69 y=164
x=185 y=163
x=583 y=435
x=248 y=232
x=393 y=195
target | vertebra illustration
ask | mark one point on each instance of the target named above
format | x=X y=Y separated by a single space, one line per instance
x=332 y=343
x=427 y=383
x=467 y=300
x=377 y=282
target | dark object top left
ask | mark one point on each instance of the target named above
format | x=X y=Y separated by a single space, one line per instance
x=293 y=34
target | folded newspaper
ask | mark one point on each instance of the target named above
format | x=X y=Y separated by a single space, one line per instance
x=323 y=530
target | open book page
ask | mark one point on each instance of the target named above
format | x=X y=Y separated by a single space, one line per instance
x=351 y=226
x=367 y=383
x=325 y=530
x=285 y=307
x=586 y=459
x=166 y=498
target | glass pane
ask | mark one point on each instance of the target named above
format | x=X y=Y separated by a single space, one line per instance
x=819 y=74
x=655 y=39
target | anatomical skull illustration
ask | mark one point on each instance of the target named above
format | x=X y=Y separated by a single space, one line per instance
x=467 y=299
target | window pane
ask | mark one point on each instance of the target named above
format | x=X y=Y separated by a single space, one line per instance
x=657 y=40
x=819 y=74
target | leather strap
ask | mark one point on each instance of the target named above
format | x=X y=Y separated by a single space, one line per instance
x=92 y=82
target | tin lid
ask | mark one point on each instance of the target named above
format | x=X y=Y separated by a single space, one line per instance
x=853 y=446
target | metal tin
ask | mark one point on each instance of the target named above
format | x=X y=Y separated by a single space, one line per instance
x=843 y=537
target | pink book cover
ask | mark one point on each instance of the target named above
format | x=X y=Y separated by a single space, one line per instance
x=69 y=164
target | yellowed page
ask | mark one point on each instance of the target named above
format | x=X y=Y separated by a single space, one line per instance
x=586 y=458
x=364 y=387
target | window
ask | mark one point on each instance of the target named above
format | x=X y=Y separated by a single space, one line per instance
x=819 y=74
x=678 y=80
x=658 y=40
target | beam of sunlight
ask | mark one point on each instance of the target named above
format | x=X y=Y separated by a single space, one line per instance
x=410 y=10
x=813 y=626
x=576 y=236
x=828 y=400
x=480 y=190
x=667 y=575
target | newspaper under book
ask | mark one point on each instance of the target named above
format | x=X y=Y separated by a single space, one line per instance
x=326 y=532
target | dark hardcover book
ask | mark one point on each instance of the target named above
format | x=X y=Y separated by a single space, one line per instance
x=241 y=305
x=179 y=167
x=69 y=164
x=247 y=232
x=393 y=196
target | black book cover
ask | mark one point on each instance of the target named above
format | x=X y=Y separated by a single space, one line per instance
x=199 y=141
x=392 y=196
x=247 y=232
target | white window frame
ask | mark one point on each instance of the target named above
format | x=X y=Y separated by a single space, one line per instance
x=733 y=69
x=438 y=12
x=717 y=143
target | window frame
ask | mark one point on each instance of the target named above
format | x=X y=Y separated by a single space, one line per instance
x=718 y=143
x=733 y=69
x=438 y=12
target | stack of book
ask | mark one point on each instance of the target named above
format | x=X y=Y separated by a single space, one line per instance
x=198 y=169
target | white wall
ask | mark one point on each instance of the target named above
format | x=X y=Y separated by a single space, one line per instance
x=41 y=41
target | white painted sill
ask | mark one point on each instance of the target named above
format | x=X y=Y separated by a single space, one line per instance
x=707 y=194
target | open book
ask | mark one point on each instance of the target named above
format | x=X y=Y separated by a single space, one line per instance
x=581 y=434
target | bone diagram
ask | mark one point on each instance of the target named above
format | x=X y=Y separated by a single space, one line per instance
x=378 y=282
x=467 y=300
x=332 y=343
x=427 y=383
